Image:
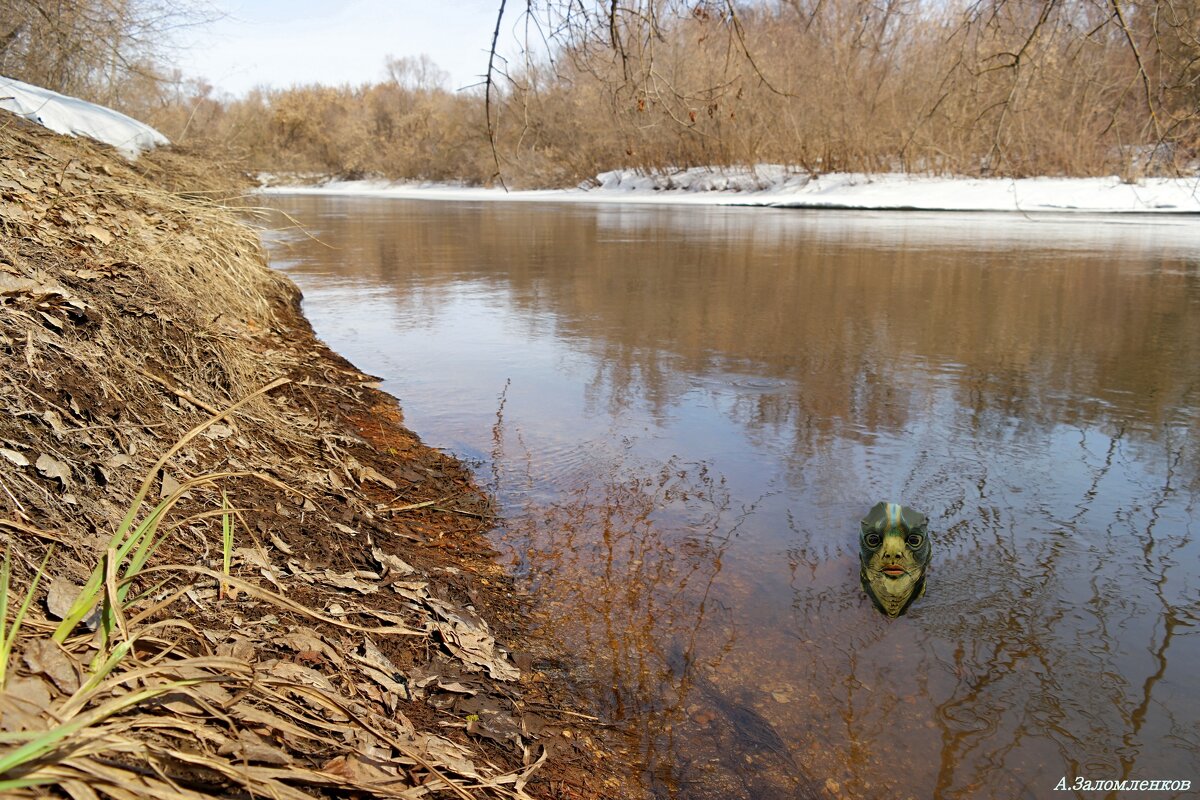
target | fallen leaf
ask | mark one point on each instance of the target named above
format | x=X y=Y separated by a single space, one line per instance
x=307 y=640
x=51 y=467
x=99 y=234
x=393 y=566
x=445 y=752
x=29 y=690
x=251 y=556
x=119 y=460
x=472 y=643
x=281 y=545
x=60 y=596
x=252 y=747
x=55 y=421
x=456 y=687
x=15 y=457
x=380 y=669
x=365 y=473
x=46 y=657
x=351 y=580
x=297 y=673
x=416 y=591
x=356 y=769
x=12 y=284
x=54 y=321
x=497 y=725
x=240 y=648
x=217 y=431
x=169 y=485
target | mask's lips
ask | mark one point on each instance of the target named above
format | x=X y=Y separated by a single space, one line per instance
x=894 y=571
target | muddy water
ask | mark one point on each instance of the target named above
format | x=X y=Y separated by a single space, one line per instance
x=686 y=411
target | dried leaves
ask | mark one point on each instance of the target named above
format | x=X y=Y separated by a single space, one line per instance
x=284 y=728
x=336 y=664
x=216 y=709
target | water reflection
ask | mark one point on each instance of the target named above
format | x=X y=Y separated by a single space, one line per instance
x=700 y=406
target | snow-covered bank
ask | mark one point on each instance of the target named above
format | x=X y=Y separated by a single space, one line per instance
x=777 y=187
x=765 y=185
x=75 y=117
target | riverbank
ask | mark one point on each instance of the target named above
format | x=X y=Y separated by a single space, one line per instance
x=244 y=575
x=778 y=187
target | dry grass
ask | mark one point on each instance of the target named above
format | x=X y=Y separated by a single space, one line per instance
x=232 y=589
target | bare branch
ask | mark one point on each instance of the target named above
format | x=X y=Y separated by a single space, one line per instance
x=487 y=95
x=1119 y=13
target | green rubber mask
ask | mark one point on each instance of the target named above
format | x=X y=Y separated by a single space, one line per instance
x=895 y=552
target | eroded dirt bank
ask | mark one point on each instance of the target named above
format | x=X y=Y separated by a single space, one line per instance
x=352 y=639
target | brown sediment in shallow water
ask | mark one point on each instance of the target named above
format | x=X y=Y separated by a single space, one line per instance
x=364 y=642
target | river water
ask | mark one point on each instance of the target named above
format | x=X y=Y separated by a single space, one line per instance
x=684 y=412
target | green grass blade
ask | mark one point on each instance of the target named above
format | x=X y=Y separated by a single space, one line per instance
x=46 y=742
x=101 y=669
x=90 y=594
x=25 y=783
x=4 y=573
x=6 y=640
x=148 y=541
x=91 y=590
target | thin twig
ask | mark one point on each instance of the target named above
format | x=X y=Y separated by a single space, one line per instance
x=198 y=403
x=464 y=512
x=16 y=502
x=412 y=506
x=487 y=96
x=1141 y=68
x=17 y=526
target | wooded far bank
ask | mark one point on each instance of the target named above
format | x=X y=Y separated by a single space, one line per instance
x=993 y=87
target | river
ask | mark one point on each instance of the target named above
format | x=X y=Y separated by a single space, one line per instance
x=684 y=413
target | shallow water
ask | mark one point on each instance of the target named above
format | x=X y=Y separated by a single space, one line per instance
x=684 y=413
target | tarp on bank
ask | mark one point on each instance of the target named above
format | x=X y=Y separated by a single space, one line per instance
x=75 y=117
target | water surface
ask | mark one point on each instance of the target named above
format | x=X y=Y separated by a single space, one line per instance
x=684 y=413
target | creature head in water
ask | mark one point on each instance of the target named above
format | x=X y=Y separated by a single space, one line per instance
x=895 y=553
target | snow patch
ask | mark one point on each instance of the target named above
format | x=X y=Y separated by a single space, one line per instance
x=772 y=185
x=779 y=187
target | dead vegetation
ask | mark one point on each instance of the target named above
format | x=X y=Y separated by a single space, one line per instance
x=230 y=570
x=991 y=87
x=970 y=87
x=996 y=88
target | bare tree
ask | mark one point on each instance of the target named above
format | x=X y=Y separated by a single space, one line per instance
x=416 y=73
x=92 y=48
x=981 y=86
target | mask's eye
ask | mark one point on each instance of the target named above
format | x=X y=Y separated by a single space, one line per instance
x=914 y=540
x=873 y=540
